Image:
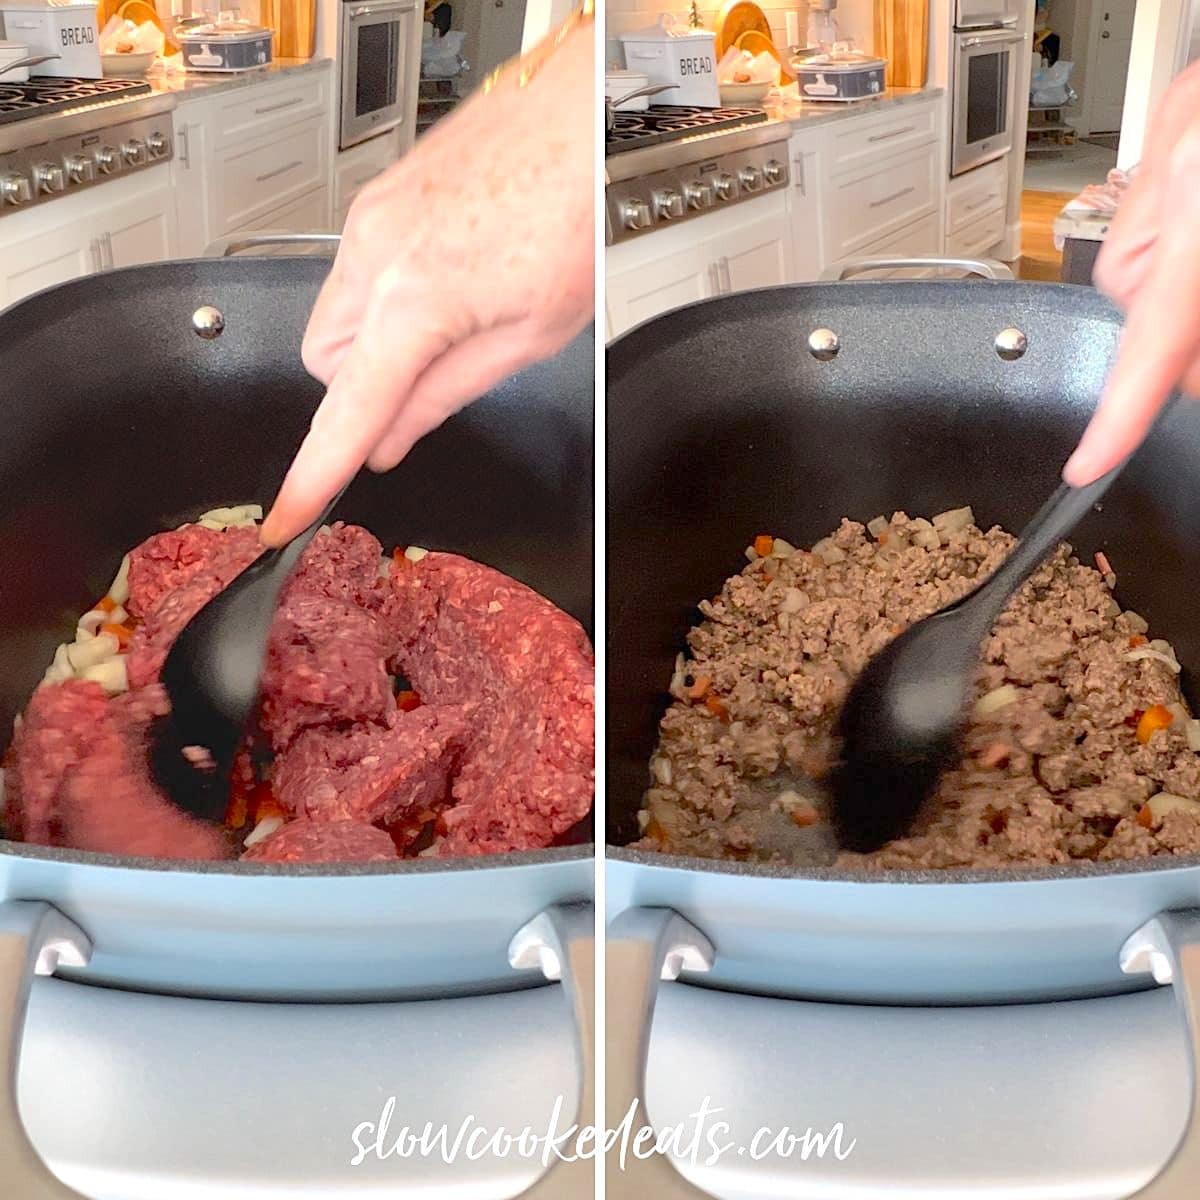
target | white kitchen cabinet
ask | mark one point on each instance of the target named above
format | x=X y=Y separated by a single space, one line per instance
x=641 y=292
x=804 y=206
x=304 y=215
x=356 y=167
x=731 y=250
x=126 y=222
x=247 y=156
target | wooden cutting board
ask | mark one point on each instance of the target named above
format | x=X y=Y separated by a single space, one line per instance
x=736 y=18
x=902 y=38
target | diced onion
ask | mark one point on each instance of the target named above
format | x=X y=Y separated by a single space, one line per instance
x=60 y=669
x=954 y=519
x=1192 y=732
x=91 y=621
x=120 y=586
x=415 y=553
x=82 y=655
x=877 y=525
x=1165 y=802
x=1136 y=622
x=231 y=518
x=996 y=699
x=662 y=770
x=676 y=687
x=1148 y=652
x=829 y=552
x=643 y=819
x=208 y=523
x=385 y=567
x=927 y=539
x=263 y=830
x=1179 y=713
x=110 y=675
x=782 y=549
x=794 y=600
x=751 y=554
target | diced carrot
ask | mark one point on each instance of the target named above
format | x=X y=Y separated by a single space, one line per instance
x=237 y=811
x=1102 y=563
x=1156 y=717
x=804 y=816
x=1137 y=640
x=883 y=538
x=995 y=754
x=407 y=700
x=655 y=832
x=717 y=709
x=401 y=559
x=699 y=689
x=763 y=545
x=1145 y=817
x=106 y=605
x=123 y=635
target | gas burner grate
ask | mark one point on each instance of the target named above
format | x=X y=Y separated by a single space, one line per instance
x=43 y=96
x=666 y=122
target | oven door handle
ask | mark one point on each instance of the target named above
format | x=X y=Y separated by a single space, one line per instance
x=999 y=38
x=371 y=10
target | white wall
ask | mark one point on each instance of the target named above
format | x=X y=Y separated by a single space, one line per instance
x=1072 y=21
x=855 y=20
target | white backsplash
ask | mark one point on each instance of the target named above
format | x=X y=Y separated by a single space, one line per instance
x=855 y=20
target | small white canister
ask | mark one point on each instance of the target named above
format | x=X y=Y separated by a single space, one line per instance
x=674 y=53
x=63 y=27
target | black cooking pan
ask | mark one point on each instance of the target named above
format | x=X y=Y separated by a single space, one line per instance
x=118 y=420
x=785 y=410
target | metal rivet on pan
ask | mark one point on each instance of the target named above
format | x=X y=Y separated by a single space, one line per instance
x=208 y=322
x=823 y=344
x=1011 y=344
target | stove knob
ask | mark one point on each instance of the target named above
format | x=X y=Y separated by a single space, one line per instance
x=668 y=203
x=49 y=178
x=750 y=178
x=106 y=159
x=724 y=186
x=698 y=195
x=635 y=214
x=134 y=152
x=156 y=143
x=80 y=169
x=15 y=189
x=773 y=172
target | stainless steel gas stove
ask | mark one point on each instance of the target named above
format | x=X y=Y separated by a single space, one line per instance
x=671 y=164
x=60 y=135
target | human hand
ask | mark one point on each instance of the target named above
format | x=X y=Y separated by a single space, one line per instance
x=469 y=259
x=1150 y=267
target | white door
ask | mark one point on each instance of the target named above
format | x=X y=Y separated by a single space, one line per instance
x=501 y=26
x=1112 y=39
x=30 y=263
x=755 y=255
x=804 y=213
x=190 y=173
x=141 y=229
x=639 y=293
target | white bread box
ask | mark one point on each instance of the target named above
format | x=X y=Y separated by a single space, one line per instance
x=63 y=27
x=674 y=53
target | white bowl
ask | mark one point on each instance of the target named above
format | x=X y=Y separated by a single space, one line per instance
x=736 y=94
x=10 y=52
x=126 y=66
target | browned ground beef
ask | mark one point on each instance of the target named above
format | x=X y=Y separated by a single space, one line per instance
x=1053 y=768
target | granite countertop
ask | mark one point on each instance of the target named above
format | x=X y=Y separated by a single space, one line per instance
x=184 y=85
x=1082 y=226
x=816 y=112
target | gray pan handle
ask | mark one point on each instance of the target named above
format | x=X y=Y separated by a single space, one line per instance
x=1168 y=947
x=34 y=939
x=985 y=267
x=561 y=941
x=228 y=246
x=643 y=945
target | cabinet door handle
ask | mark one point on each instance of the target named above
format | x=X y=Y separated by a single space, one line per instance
x=108 y=251
x=883 y=137
x=800 y=181
x=978 y=203
x=270 y=108
x=723 y=267
x=182 y=151
x=889 y=199
x=714 y=279
x=279 y=171
x=97 y=256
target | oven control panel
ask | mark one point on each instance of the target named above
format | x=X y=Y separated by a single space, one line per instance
x=36 y=174
x=635 y=207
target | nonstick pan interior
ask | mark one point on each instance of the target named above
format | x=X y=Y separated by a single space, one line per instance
x=722 y=424
x=120 y=421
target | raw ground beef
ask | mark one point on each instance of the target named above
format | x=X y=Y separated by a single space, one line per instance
x=498 y=756
x=1054 y=769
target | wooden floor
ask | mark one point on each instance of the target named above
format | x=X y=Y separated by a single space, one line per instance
x=1040 y=260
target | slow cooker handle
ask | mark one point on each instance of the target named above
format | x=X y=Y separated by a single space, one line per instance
x=1168 y=947
x=34 y=939
x=228 y=246
x=561 y=941
x=984 y=267
x=643 y=945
